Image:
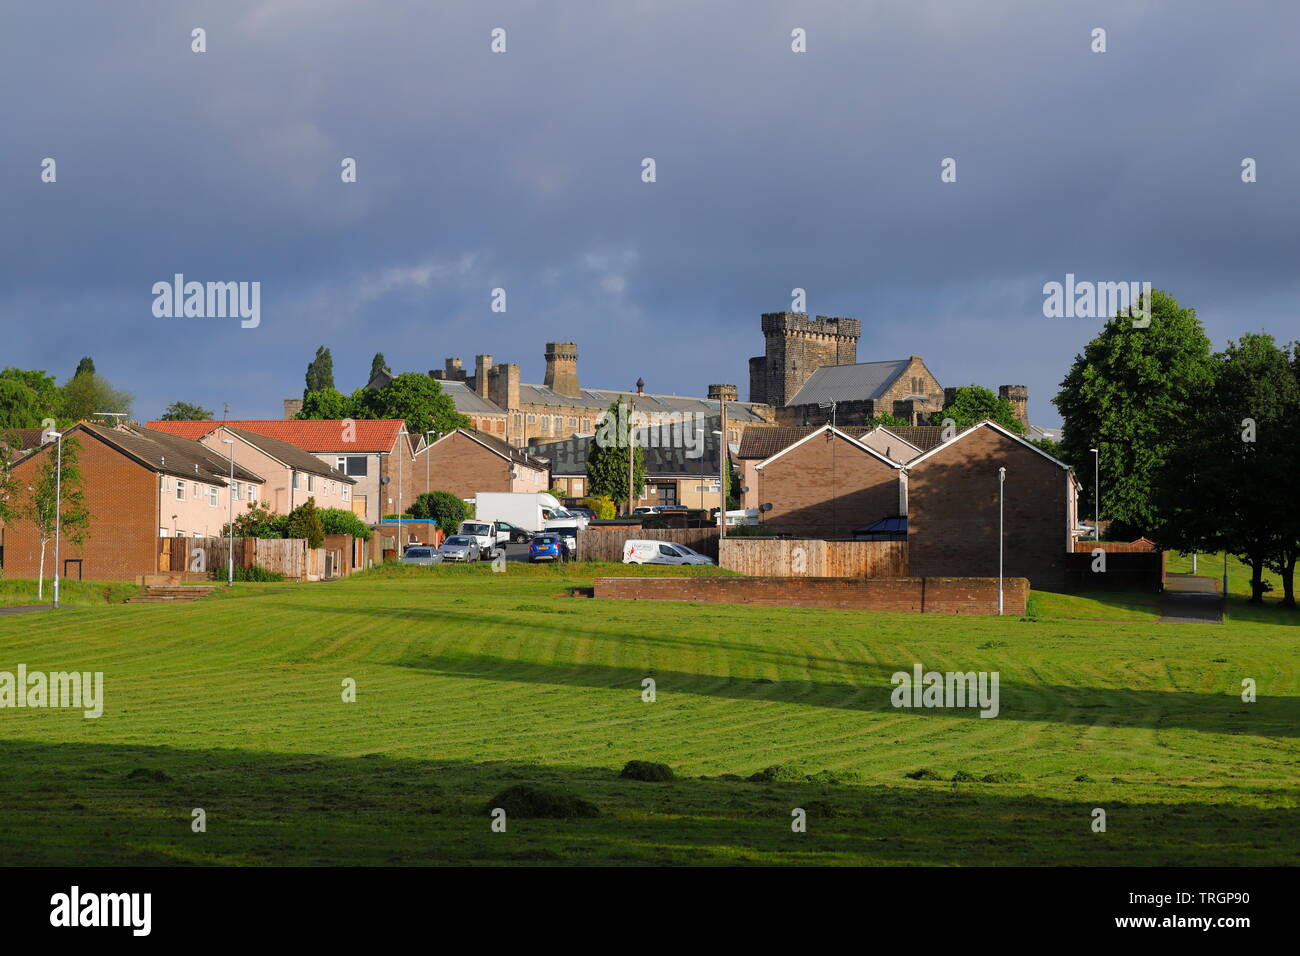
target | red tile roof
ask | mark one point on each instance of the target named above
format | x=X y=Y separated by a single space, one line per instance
x=314 y=435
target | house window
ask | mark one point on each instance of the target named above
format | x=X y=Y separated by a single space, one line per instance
x=180 y=490
x=559 y=422
x=311 y=482
x=234 y=492
x=352 y=465
x=532 y=419
x=212 y=497
x=297 y=480
x=252 y=494
x=573 y=423
x=345 y=492
x=586 y=424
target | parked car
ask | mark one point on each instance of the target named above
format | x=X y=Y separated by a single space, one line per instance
x=647 y=510
x=664 y=509
x=460 y=547
x=585 y=512
x=570 y=538
x=422 y=554
x=661 y=552
x=513 y=533
x=547 y=546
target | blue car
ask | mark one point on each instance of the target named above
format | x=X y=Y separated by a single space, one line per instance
x=547 y=547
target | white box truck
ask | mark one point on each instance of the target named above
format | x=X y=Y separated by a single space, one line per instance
x=523 y=509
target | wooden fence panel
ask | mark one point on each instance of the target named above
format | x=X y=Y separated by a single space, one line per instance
x=814 y=558
x=606 y=544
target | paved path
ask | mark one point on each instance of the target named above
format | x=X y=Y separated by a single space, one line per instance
x=1191 y=600
x=24 y=608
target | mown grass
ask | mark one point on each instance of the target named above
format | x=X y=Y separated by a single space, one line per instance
x=469 y=682
x=21 y=591
x=1238 y=608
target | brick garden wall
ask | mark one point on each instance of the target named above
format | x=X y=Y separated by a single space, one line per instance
x=912 y=595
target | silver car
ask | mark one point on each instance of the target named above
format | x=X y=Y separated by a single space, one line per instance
x=459 y=547
x=421 y=554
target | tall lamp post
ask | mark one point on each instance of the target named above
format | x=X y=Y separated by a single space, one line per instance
x=58 y=508
x=1096 y=493
x=1002 y=478
x=230 y=510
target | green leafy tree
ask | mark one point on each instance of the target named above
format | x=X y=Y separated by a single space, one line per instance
x=258 y=521
x=1129 y=394
x=19 y=405
x=607 y=460
x=305 y=522
x=1221 y=483
x=58 y=492
x=377 y=364
x=416 y=399
x=441 y=507
x=86 y=395
x=320 y=372
x=43 y=386
x=888 y=421
x=185 y=412
x=972 y=404
x=340 y=521
x=85 y=367
x=327 y=403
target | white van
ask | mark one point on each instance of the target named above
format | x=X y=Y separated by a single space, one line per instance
x=661 y=552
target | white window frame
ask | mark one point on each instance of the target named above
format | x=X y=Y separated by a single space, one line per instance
x=180 y=489
x=214 y=497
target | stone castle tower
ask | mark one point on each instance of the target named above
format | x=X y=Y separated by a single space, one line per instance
x=797 y=346
x=562 y=368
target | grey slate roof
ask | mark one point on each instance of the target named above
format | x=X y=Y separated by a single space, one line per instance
x=169 y=454
x=601 y=398
x=849 y=383
x=468 y=401
x=569 y=457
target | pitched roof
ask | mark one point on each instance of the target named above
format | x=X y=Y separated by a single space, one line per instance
x=167 y=454
x=759 y=441
x=314 y=435
x=291 y=455
x=667 y=459
x=849 y=383
x=494 y=444
x=599 y=399
x=21 y=439
x=831 y=430
x=468 y=401
x=989 y=423
x=923 y=437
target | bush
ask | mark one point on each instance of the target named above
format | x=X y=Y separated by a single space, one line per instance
x=441 y=507
x=258 y=522
x=305 y=522
x=338 y=521
x=647 y=771
x=1004 y=777
x=961 y=776
x=925 y=773
x=526 y=802
x=255 y=573
x=601 y=505
x=779 y=773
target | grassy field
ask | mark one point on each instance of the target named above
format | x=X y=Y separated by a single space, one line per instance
x=470 y=682
x=71 y=593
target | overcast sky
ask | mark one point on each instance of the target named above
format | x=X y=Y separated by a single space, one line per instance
x=522 y=170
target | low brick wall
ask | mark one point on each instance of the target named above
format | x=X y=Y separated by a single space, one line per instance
x=910 y=595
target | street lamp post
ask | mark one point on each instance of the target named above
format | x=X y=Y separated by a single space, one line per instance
x=58 y=508
x=230 y=511
x=1096 y=493
x=1002 y=478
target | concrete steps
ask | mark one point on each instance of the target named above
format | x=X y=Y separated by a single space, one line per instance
x=158 y=594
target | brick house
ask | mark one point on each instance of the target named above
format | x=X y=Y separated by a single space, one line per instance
x=291 y=475
x=466 y=461
x=139 y=485
x=828 y=483
x=366 y=450
x=953 y=509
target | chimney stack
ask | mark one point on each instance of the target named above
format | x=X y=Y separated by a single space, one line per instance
x=640 y=386
x=562 y=368
x=482 y=367
x=729 y=393
x=292 y=406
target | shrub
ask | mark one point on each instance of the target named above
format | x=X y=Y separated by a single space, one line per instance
x=526 y=802
x=305 y=522
x=1006 y=776
x=779 y=773
x=258 y=522
x=441 y=507
x=925 y=773
x=255 y=573
x=338 y=521
x=647 y=771
x=961 y=776
x=602 y=505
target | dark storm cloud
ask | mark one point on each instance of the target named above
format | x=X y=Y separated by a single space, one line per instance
x=775 y=170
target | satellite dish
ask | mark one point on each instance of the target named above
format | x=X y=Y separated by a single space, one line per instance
x=386 y=479
x=765 y=507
